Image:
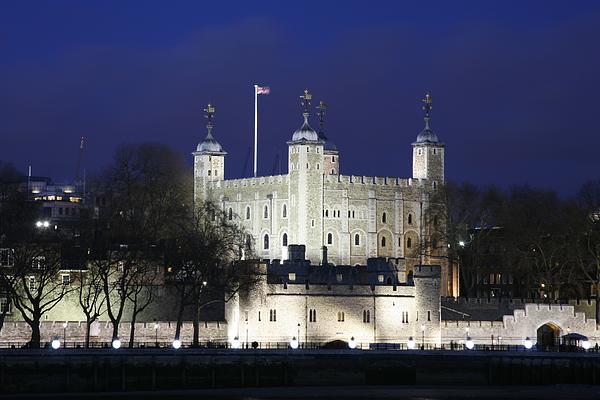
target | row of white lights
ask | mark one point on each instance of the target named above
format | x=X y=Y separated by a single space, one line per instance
x=236 y=344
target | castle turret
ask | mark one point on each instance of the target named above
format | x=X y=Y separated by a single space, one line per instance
x=305 y=164
x=427 y=303
x=209 y=160
x=428 y=151
x=331 y=155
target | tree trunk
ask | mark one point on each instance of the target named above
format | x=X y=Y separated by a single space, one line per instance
x=132 y=329
x=35 y=340
x=88 y=325
x=179 y=322
x=196 y=340
x=115 y=325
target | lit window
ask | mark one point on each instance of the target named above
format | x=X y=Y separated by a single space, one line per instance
x=380 y=278
x=292 y=276
x=66 y=279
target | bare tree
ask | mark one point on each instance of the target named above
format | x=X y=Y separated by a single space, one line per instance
x=142 y=292
x=91 y=296
x=207 y=263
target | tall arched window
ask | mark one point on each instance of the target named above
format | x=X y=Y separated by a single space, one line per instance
x=329 y=238
x=230 y=214
x=409 y=243
x=383 y=241
x=247 y=212
x=284 y=239
x=284 y=211
x=383 y=217
x=266 y=212
x=357 y=239
x=266 y=242
x=410 y=219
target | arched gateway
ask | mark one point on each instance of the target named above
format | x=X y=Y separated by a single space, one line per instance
x=548 y=336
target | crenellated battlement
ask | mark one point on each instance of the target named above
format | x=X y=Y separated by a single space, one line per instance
x=374 y=180
x=258 y=181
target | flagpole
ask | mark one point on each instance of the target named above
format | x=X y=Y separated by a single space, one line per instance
x=255 y=125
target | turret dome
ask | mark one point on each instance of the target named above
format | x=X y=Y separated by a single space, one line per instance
x=305 y=132
x=209 y=145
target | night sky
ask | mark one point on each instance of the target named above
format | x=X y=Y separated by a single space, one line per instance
x=515 y=84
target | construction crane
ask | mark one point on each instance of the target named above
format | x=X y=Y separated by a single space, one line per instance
x=78 y=182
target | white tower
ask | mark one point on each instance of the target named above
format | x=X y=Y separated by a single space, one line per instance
x=209 y=161
x=428 y=151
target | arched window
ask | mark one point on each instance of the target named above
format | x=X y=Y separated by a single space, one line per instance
x=247 y=212
x=266 y=242
x=341 y=316
x=284 y=239
x=230 y=214
x=383 y=217
x=383 y=241
x=266 y=212
x=329 y=238
x=327 y=213
x=388 y=281
x=284 y=211
x=366 y=316
x=408 y=243
x=357 y=239
x=410 y=219
x=332 y=158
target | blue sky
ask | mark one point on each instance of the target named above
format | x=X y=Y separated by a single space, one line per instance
x=514 y=83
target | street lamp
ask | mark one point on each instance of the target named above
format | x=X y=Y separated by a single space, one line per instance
x=423 y=337
x=410 y=343
x=235 y=343
x=586 y=344
x=55 y=343
x=298 y=333
x=469 y=344
x=176 y=344
x=116 y=343
x=65 y=333
x=352 y=343
x=527 y=343
x=42 y=224
x=294 y=343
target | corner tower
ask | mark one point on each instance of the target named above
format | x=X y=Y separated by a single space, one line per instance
x=428 y=151
x=209 y=160
x=305 y=165
x=331 y=155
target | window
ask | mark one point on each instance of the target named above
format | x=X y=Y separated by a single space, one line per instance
x=247 y=212
x=434 y=184
x=312 y=315
x=380 y=278
x=332 y=158
x=383 y=217
x=327 y=213
x=266 y=242
x=405 y=317
x=273 y=315
x=284 y=211
x=209 y=172
x=66 y=279
x=383 y=241
x=259 y=317
x=7 y=258
x=353 y=214
x=31 y=283
x=357 y=239
x=38 y=262
x=329 y=238
x=230 y=213
x=408 y=243
x=340 y=316
x=266 y=212
x=367 y=316
x=434 y=151
x=410 y=219
x=420 y=151
x=428 y=315
x=5 y=306
x=292 y=276
x=284 y=241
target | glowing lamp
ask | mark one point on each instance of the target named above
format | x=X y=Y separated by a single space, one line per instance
x=116 y=343
x=410 y=343
x=352 y=343
x=55 y=343
x=235 y=343
x=294 y=343
x=469 y=344
x=528 y=343
x=176 y=344
x=586 y=344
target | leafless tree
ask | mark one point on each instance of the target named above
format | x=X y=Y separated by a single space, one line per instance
x=91 y=296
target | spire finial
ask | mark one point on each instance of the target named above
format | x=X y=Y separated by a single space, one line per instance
x=305 y=102
x=427 y=108
x=321 y=107
x=209 y=113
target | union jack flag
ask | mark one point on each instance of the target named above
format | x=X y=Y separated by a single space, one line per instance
x=263 y=90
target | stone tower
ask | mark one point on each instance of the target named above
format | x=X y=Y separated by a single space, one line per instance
x=209 y=160
x=427 y=280
x=428 y=152
x=305 y=165
x=331 y=155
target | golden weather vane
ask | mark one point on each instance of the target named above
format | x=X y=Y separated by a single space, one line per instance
x=209 y=113
x=427 y=106
x=321 y=107
x=305 y=100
